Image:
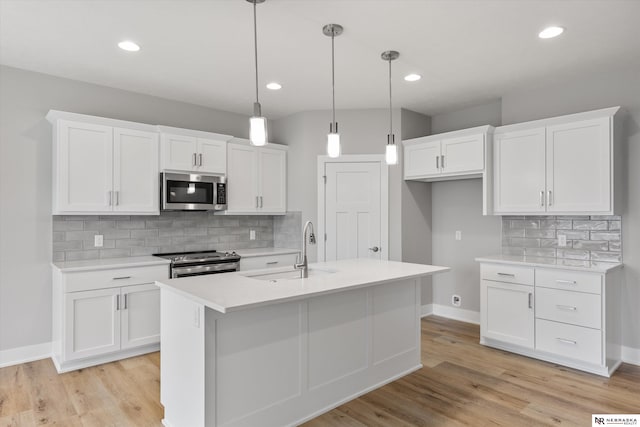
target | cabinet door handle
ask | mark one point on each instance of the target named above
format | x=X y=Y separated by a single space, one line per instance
x=506 y=274
x=257 y=203
x=566 y=307
x=261 y=205
x=117 y=302
x=109 y=196
x=437 y=162
x=272 y=262
x=566 y=341
x=117 y=198
x=442 y=161
x=193 y=160
x=122 y=278
x=549 y=198
x=542 y=198
x=126 y=300
x=200 y=159
x=530 y=300
x=567 y=282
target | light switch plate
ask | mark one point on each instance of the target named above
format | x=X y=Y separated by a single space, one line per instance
x=98 y=240
x=458 y=235
x=252 y=234
x=562 y=240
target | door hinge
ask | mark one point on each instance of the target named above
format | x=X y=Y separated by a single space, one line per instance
x=324 y=177
x=325 y=237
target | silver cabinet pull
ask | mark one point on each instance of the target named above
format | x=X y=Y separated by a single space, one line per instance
x=126 y=300
x=542 y=198
x=117 y=198
x=374 y=249
x=272 y=262
x=442 y=161
x=566 y=307
x=437 y=162
x=566 y=341
x=193 y=160
x=200 y=159
x=506 y=274
x=117 y=302
x=261 y=205
x=110 y=197
x=122 y=278
x=549 y=198
x=257 y=202
x=530 y=300
x=567 y=282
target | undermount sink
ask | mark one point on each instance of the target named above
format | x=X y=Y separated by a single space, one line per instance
x=287 y=274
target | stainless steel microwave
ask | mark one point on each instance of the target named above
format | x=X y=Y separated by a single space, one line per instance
x=192 y=192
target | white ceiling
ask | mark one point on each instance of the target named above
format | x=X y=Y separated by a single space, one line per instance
x=201 y=51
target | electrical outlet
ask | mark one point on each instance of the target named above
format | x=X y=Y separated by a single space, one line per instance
x=98 y=240
x=458 y=235
x=252 y=234
x=456 y=300
x=562 y=240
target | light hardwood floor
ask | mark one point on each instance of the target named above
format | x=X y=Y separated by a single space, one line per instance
x=462 y=383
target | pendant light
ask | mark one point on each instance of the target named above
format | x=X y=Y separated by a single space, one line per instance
x=333 y=138
x=391 y=154
x=257 y=123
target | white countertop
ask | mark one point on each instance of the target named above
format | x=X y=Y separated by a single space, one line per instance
x=235 y=291
x=248 y=253
x=565 y=264
x=109 y=263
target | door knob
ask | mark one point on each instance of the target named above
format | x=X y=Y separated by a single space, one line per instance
x=374 y=249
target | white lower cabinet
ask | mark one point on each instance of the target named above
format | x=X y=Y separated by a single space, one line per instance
x=563 y=316
x=95 y=326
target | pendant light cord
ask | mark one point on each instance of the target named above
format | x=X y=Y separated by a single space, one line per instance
x=391 y=138
x=333 y=84
x=255 y=45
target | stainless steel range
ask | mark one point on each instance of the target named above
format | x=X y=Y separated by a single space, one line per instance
x=184 y=264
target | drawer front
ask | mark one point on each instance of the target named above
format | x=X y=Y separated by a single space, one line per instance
x=101 y=279
x=571 y=341
x=576 y=308
x=569 y=280
x=507 y=273
x=270 y=261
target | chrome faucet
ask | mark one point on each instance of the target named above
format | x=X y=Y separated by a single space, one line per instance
x=304 y=265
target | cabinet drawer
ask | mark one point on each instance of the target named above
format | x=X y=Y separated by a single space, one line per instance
x=270 y=261
x=575 y=342
x=569 y=280
x=507 y=273
x=100 y=279
x=576 y=308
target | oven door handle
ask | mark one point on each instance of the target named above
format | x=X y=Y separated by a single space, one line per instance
x=203 y=269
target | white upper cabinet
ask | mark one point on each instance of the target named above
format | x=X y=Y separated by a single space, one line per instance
x=256 y=179
x=189 y=150
x=451 y=155
x=564 y=165
x=519 y=158
x=103 y=166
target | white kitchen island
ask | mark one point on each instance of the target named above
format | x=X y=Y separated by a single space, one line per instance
x=263 y=348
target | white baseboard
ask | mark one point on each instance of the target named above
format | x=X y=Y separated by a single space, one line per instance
x=631 y=355
x=427 y=310
x=29 y=353
x=451 y=313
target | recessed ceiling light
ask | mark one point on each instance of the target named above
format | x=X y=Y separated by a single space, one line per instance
x=412 y=77
x=129 y=46
x=550 y=32
x=274 y=86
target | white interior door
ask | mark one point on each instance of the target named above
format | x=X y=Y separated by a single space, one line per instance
x=353 y=208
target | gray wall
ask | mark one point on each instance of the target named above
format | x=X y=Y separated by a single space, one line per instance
x=361 y=132
x=457 y=205
x=589 y=92
x=25 y=181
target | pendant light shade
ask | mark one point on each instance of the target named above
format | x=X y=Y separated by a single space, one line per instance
x=257 y=123
x=391 y=154
x=333 y=138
